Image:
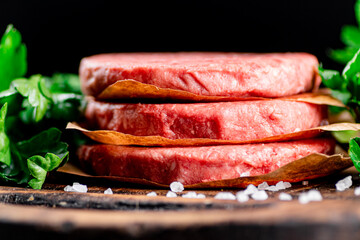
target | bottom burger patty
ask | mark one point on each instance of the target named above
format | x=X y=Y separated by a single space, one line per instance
x=190 y=165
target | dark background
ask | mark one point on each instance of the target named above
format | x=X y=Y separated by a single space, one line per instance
x=59 y=33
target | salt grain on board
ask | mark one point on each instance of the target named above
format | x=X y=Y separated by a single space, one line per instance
x=79 y=187
x=242 y=197
x=285 y=197
x=76 y=187
x=272 y=188
x=357 y=191
x=225 y=196
x=151 y=194
x=280 y=185
x=108 y=191
x=344 y=184
x=260 y=195
x=177 y=187
x=263 y=186
x=250 y=189
x=171 y=194
x=193 y=195
x=287 y=185
x=312 y=195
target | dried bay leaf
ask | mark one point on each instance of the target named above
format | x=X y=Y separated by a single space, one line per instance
x=310 y=167
x=131 y=89
x=118 y=138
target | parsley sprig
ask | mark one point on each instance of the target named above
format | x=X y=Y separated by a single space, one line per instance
x=31 y=112
x=350 y=36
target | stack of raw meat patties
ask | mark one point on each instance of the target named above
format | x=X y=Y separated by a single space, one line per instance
x=246 y=77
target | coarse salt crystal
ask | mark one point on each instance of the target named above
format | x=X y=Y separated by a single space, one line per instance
x=263 y=186
x=69 y=188
x=171 y=194
x=280 y=185
x=151 y=194
x=189 y=195
x=272 y=188
x=177 y=187
x=285 y=197
x=225 y=196
x=357 y=191
x=344 y=184
x=193 y=195
x=80 y=187
x=312 y=195
x=250 y=189
x=260 y=195
x=287 y=185
x=200 y=195
x=242 y=197
x=305 y=183
x=108 y=191
x=76 y=187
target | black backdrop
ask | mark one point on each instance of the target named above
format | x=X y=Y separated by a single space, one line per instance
x=59 y=33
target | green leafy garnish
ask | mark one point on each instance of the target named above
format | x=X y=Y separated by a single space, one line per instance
x=32 y=110
x=350 y=36
x=346 y=85
x=12 y=57
x=354 y=152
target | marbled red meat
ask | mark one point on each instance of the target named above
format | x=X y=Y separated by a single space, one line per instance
x=242 y=120
x=190 y=165
x=204 y=73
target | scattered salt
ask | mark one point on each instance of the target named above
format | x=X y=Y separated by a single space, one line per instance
x=79 y=187
x=189 y=195
x=176 y=187
x=225 y=196
x=76 y=187
x=312 y=195
x=280 y=185
x=242 y=197
x=171 y=194
x=193 y=195
x=344 y=184
x=200 y=195
x=285 y=197
x=287 y=185
x=108 y=191
x=250 y=189
x=357 y=191
x=69 y=188
x=151 y=194
x=272 y=188
x=263 y=186
x=260 y=195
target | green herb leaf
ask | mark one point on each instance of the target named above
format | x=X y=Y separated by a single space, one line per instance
x=37 y=102
x=39 y=166
x=342 y=55
x=350 y=35
x=354 y=152
x=357 y=11
x=332 y=79
x=352 y=67
x=5 y=157
x=64 y=83
x=12 y=57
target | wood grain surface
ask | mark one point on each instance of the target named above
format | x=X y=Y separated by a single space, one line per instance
x=52 y=213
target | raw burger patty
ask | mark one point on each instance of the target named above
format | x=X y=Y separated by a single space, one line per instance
x=190 y=165
x=204 y=73
x=243 y=120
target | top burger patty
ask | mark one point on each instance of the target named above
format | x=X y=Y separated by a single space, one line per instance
x=209 y=74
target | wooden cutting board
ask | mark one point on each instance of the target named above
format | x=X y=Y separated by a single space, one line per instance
x=52 y=213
